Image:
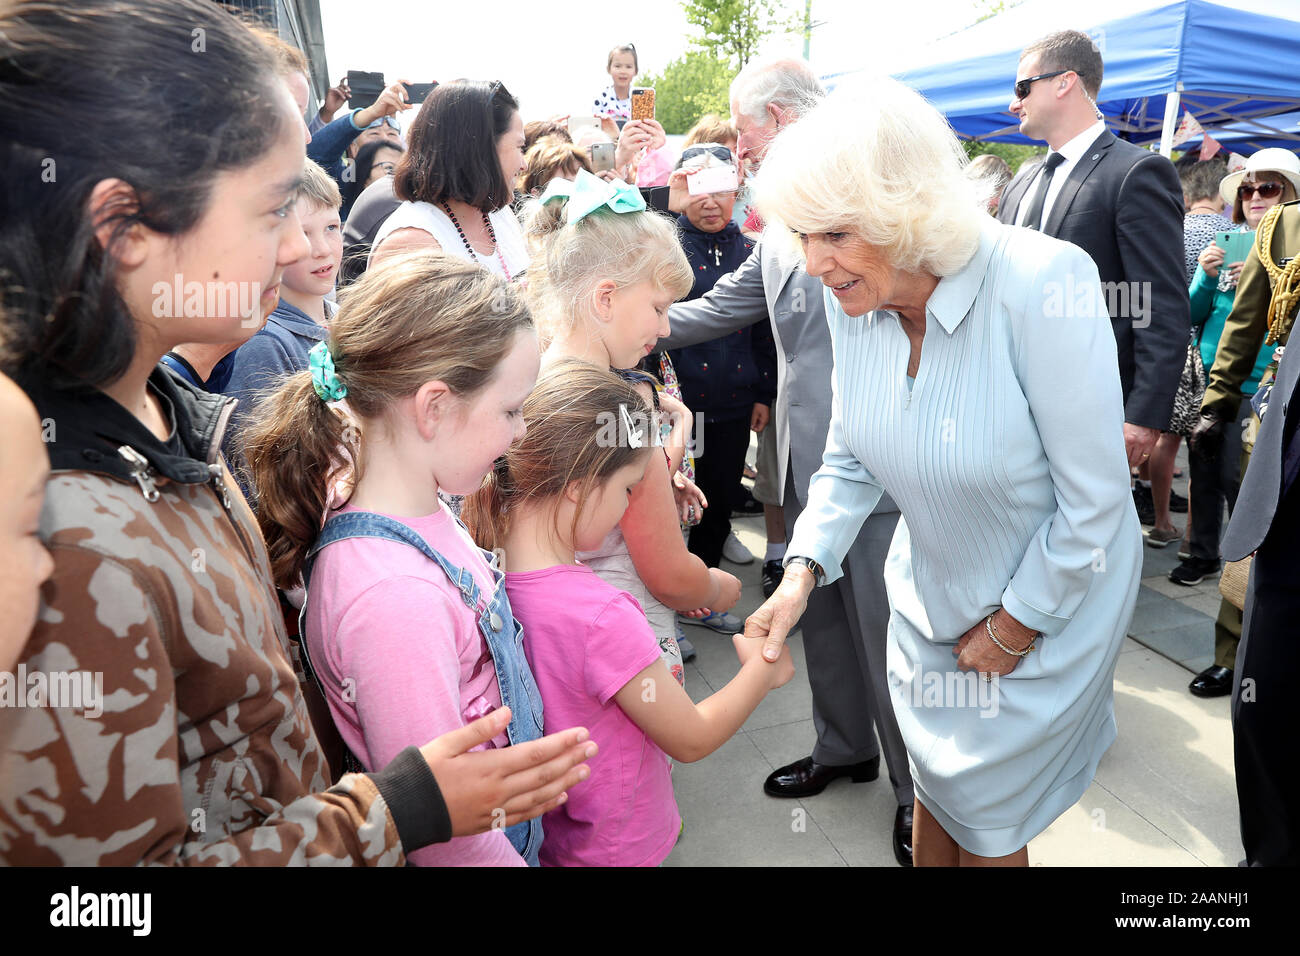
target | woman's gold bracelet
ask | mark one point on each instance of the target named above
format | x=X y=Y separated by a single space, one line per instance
x=993 y=636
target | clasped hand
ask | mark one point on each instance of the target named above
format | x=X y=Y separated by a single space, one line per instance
x=976 y=651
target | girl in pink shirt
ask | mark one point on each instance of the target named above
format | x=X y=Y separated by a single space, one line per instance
x=406 y=626
x=560 y=490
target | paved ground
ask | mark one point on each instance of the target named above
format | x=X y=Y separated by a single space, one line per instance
x=1163 y=795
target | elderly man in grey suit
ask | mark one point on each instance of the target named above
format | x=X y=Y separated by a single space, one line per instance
x=845 y=624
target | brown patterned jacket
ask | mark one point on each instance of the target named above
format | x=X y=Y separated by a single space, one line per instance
x=203 y=752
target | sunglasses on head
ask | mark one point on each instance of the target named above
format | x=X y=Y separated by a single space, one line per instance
x=719 y=152
x=385 y=121
x=1265 y=190
x=1022 y=86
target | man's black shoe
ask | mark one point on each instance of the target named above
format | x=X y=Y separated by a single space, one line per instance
x=1145 y=504
x=903 y=836
x=1193 y=571
x=806 y=777
x=1212 y=682
x=772 y=574
x=1177 y=503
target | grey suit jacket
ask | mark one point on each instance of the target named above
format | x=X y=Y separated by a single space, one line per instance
x=1123 y=205
x=1262 y=486
x=771 y=284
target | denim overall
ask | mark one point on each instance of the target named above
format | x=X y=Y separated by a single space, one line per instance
x=504 y=636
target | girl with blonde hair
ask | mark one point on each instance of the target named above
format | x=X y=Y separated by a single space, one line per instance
x=605 y=272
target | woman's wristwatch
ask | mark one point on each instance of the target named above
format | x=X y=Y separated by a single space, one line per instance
x=819 y=573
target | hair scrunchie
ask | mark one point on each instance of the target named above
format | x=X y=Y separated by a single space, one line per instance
x=324 y=379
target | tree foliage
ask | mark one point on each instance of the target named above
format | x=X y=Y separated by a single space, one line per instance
x=689 y=87
x=736 y=28
x=1013 y=153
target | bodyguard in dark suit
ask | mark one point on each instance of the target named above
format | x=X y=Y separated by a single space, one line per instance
x=1121 y=204
x=1266 y=521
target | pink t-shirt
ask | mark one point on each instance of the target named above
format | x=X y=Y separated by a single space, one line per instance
x=585 y=639
x=402 y=658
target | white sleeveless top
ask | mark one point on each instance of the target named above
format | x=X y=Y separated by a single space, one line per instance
x=431 y=219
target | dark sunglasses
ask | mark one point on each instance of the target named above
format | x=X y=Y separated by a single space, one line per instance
x=719 y=152
x=1265 y=190
x=385 y=121
x=1022 y=86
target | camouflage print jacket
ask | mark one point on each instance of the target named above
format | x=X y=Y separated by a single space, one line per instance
x=196 y=748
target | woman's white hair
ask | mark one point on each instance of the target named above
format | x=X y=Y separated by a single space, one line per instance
x=875 y=159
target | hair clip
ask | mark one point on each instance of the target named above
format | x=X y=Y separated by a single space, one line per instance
x=634 y=438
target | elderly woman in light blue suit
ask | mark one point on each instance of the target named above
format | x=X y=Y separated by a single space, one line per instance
x=976 y=381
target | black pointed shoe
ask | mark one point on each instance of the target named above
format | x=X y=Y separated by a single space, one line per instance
x=806 y=777
x=1214 y=681
x=903 y=835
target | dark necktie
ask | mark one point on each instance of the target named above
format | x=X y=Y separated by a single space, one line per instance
x=1034 y=217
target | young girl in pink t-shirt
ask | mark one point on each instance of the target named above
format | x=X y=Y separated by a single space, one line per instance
x=558 y=491
x=407 y=626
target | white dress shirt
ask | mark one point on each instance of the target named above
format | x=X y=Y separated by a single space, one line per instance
x=1071 y=153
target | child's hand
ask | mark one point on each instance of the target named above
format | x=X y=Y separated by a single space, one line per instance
x=690 y=500
x=728 y=589
x=750 y=649
x=759 y=418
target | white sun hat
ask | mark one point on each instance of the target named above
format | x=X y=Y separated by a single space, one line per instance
x=1274 y=159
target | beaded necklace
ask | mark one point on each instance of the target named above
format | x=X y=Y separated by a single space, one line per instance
x=470 y=249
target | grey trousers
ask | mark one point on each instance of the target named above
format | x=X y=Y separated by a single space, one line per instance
x=844 y=632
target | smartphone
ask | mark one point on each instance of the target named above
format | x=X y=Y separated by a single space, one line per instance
x=643 y=103
x=1235 y=245
x=578 y=125
x=602 y=156
x=418 y=92
x=366 y=88
x=713 y=179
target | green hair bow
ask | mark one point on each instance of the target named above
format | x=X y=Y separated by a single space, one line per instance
x=324 y=379
x=587 y=193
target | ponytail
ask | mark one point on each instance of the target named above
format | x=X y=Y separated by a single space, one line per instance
x=415 y=318
x=296 y=450
x=485 y=512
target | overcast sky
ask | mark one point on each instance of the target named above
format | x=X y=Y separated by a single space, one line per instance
x=554 y=62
